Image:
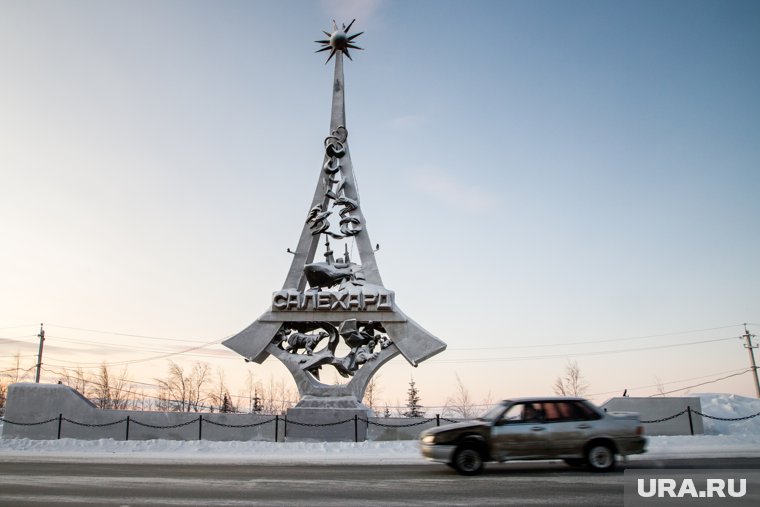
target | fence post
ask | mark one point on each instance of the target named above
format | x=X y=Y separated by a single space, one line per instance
x=691 y=424
x=285 y=432
x=356 y=427
x=200 y=427
x=437 y=419
x=127 y=429
x=276 y=427
x=60 y=423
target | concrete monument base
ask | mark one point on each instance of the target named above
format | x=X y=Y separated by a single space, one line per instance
x=327 y=420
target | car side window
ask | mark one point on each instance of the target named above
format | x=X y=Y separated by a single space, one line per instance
x=558 y=411
x=523 y=413
x=552 y=412
x=533 y=413
x=583 y=412
x=513 y=414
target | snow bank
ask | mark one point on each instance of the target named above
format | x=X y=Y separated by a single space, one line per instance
x=730 y=406
x=67 y=449
x=367 y=453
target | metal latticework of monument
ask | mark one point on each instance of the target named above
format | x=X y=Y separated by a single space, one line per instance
x=334 y=313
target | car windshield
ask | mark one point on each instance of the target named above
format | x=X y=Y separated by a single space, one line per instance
x=494 y=413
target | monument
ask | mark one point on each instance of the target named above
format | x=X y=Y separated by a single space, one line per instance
x=334 y=313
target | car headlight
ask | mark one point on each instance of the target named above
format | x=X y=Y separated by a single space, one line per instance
x=428 y=439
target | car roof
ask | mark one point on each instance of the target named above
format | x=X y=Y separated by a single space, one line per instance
x=543 y=398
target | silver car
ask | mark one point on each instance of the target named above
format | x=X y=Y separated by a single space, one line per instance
x=571 y=429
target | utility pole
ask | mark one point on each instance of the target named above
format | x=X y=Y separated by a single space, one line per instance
x=39 y=354
x=751 y=349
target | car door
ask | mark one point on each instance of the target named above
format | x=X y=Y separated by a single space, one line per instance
x=519 y=433
x=571 y=426
x=561 y=428
x=585 y=423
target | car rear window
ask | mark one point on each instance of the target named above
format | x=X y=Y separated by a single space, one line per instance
x=556 y=411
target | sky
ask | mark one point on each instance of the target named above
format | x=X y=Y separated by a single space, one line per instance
x=549 y=182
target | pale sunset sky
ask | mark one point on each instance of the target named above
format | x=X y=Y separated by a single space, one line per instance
x=549 y=181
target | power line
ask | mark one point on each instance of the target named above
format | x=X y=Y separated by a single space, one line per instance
x=16 y=327
x=26 y=370
x=188 y=352
x=110 y=345
x=575 y=354
x=123 y=334
x=743 y=370
x=90 y=366
x=591 y=342
x=701 y=384
x=20 y=338
x=162 y=356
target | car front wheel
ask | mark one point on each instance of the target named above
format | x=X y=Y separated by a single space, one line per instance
x=468 y=460
x=600 y=457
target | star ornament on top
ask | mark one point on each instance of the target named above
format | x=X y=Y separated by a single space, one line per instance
x=339 y=40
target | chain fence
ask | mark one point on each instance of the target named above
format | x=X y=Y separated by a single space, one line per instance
x=367 y=422
x=279 y=422
x=679 y=414
x=688 y=411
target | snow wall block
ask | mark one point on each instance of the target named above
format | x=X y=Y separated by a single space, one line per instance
x=654 y=409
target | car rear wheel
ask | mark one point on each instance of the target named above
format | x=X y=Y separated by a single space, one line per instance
x=600 y=457
x=468 y=460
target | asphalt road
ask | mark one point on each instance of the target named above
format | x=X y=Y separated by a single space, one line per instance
x=40 y=483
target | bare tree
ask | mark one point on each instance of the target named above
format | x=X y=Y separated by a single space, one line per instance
x=163 y=402
x=138 y=400
x=461 y=404
x=174 y=390
x=371 y=393
x=487 y=400
x=659 y=385
x=77 y=379
x=251 y=393
x=184 y=392
x=16 y=374
x=102 y=387
x=199 y=377
x=217 y=397
x=573 y=383
x=275 y=397
x=111 y=390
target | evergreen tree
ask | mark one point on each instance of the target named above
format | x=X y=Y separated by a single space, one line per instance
x=226 y=404
x=414 y=409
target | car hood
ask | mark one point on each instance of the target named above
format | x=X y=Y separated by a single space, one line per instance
x=452 y=430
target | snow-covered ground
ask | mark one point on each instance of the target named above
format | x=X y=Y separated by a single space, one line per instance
x=722 y=439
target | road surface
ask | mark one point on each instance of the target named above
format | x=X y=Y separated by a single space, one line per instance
x=26 y=483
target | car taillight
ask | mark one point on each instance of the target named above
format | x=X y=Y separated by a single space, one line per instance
x=639 y=430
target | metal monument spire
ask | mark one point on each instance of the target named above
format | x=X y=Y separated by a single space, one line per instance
x=337 y=311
